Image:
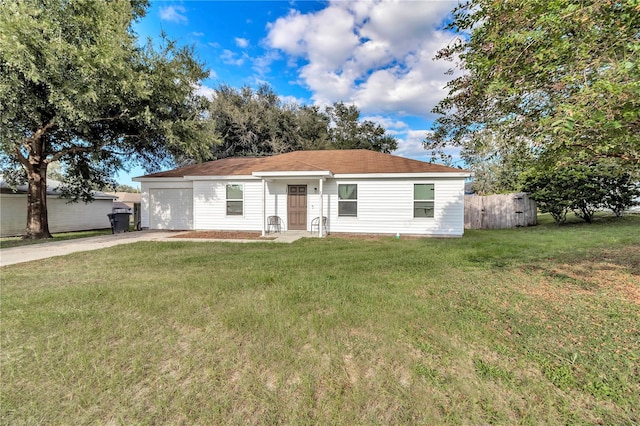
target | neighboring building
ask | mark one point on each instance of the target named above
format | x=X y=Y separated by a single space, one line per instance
x=63 y=216
x=358 y=191
x=128 y=202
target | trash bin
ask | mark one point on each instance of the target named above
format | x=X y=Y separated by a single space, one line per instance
x=119 y=222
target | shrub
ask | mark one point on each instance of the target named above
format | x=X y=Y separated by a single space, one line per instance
x=581 y=188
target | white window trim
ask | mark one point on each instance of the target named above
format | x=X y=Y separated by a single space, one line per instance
x=413 y=203
x=348 y=201
x=226 y=209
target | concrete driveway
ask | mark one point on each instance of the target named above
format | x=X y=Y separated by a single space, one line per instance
x=11 y=256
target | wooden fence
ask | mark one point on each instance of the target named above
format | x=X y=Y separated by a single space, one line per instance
x=499 y=211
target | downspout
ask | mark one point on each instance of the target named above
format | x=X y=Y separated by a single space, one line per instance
x=264 y=207
x=321 y=217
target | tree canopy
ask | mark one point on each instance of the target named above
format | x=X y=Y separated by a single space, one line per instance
x=253 y=122
x=582 y=188
x=559 y=77
x=349 y=132
x=77 y=87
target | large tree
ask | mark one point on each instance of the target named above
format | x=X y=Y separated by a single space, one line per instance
x=562 y=74
x=347 y=131
x=252 y=122
x=256 y=122
x=497 y=161
x=313 y=127
x=77 y=87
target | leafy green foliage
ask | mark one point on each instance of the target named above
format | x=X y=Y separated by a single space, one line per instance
x=76 y=87
x=623 y=190
x=255 y=122
x=126 y=188
x=348 y=132
x=252 y=122
x=563 y=73
x=313 y=127
x=556 y=79
x=497 y=162
x=581 y=188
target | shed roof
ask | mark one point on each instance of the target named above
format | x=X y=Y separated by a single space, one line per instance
x=127 y=197
x=53 y=189
x=356 y=161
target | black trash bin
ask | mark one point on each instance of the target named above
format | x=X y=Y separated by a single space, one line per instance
x=119 y=222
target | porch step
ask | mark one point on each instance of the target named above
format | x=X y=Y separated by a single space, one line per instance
x=291 y=236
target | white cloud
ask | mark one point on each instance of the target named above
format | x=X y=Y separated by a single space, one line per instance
x=261 y=64
x=205 y=91
x=241 y=42
x=291 y=100
x=410 y=146
x=197 y=34
x=376 y=54
x=287 y=33
x=174 y=14
x=387 y=122
x=325 y=38
x=231 y=58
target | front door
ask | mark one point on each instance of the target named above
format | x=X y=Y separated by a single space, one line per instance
x=297 y=207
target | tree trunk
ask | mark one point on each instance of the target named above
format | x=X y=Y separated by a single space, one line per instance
x=37 y=219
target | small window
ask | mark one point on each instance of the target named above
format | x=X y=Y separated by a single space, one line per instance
x=423 y=198
x=235 y=200
x=348 y=200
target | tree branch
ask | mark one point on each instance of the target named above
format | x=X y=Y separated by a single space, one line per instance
x=73 y=150
x=21 y=158
x=39 y=133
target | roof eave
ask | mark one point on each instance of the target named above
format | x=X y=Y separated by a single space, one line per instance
x=220 y=177
x=457 y=175
x=316 y=174
x=156 y=179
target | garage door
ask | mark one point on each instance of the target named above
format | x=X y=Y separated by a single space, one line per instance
x=171 y=209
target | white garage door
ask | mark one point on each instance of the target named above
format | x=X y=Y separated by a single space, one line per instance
x=171 y=209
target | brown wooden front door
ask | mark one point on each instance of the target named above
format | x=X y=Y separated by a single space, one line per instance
x=297 y=207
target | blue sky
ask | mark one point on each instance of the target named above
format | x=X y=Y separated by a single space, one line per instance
x=376 y=54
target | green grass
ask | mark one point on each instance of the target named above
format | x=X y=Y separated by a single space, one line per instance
x=8 y=242
x=523 y=326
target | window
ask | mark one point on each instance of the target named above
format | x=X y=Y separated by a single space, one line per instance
x=423 y=197
x=348 y=200
x=234 y=200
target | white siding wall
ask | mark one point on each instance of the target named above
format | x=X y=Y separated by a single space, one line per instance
x=384 y=205
x=13 y=214
x=210 y=205
x=63 y=217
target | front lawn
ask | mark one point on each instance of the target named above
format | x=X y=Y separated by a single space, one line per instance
x=536 y=325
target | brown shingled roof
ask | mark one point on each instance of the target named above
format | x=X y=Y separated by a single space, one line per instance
x=355 y=161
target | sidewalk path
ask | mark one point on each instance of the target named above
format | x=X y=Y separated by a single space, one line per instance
x=28 y=253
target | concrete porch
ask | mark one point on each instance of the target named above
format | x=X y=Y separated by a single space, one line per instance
x=291 y=236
